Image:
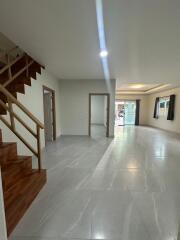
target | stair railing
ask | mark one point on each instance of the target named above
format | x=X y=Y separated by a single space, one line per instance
x=8 y=59
x=9 y=107
x=10 y=62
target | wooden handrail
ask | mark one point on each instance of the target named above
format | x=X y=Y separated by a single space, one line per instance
x=22 y=107
x=13 y=114
x=19 y=136
x=18 y=74
x=28 y=61
x=6 y=55
x=11 y=100
x=11 y=63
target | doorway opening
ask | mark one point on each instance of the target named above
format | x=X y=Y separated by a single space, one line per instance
x=99 y=114
x=49 y=114
x=125 y=113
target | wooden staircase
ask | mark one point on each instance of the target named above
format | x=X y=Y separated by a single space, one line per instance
x=21 y=183
x=17 y=73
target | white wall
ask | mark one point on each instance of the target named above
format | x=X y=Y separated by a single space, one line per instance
x=3 y=234
x=162 y=122
x=143 y=118
x=33 y=100
x=97 y=109
x=5 y=43
x=71 y=107
x=74 y=104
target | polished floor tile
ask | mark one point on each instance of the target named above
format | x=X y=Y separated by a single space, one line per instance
x=126 y=188
x=98 y=130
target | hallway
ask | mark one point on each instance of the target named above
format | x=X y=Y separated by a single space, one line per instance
x=126 y=188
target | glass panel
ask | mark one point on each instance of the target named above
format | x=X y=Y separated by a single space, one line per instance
x=119 y=114
x=163 y=106
x=130 y=113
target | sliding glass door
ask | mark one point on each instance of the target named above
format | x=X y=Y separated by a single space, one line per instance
x=125 y=113
x=130 y=112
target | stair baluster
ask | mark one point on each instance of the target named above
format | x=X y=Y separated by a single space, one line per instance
x=12 y=100
x=21 y=183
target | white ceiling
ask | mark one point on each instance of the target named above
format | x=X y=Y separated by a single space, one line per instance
x=143 y=37
x=61 y=34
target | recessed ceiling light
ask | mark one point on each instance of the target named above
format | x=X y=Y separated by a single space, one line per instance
x=103 y=53
x=137 y=86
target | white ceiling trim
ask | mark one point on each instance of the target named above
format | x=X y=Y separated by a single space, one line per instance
x=162 y=87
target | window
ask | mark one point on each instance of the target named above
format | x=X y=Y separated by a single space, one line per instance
x=163 y=106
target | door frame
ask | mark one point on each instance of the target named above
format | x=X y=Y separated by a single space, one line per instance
x=53 y=108
x=108 y=110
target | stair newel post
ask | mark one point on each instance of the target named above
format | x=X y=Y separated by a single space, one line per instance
x=11 y=114
x=39 y=147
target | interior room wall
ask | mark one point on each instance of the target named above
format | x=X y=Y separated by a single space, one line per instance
x=5 y=43
x=74 y=104
x=97 y=110
x=33 y=101
x=143 y=118
x=162 y=122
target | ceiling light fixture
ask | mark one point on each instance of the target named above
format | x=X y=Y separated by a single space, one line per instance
x=137 y=86
x=103 y=53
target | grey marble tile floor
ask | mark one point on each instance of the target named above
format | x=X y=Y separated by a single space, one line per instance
x=126 y=188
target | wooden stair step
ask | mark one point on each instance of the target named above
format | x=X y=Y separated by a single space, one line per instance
x=2 y=111
x=23 y=79
x=28 y=190
x=37 y=67
x=4 y=98
x=16 y=87
x=15 y=170
x=32 y=74
x=8 y=152
x=16 y=67
x=34 y=69
x=4 y=77
x=21 y=183
x=27 y=81
x=18 y=188
x=19 y=160
x=28 y=184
